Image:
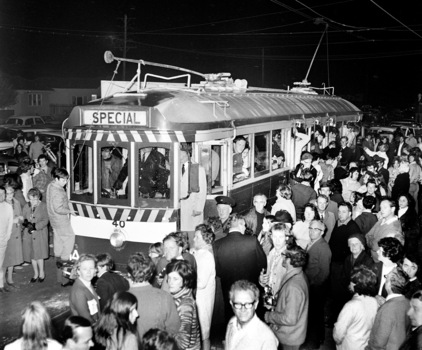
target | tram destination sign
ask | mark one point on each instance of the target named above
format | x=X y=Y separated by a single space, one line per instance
x=135 y=118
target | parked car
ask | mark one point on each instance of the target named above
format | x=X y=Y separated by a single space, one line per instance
x=390 y=130
x=24 y=121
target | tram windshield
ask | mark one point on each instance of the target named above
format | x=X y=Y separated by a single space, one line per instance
x=154 y=172
x=82 y=178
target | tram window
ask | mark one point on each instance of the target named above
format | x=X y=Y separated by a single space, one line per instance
x=278 y=156
x=114 y=172
x=154 y=172
x=241 y=158
x=82 y=178
x=262 y=150
x=211 y=162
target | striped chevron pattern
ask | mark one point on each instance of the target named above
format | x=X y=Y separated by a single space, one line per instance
x=127 y=135
x=125 y=214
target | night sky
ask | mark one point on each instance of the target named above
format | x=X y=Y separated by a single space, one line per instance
x=369 y=56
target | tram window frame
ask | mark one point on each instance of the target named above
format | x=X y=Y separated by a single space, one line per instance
x=205 y=150
x=114 y=201
x=267 y=158
x=142 y=202
x=87 y=197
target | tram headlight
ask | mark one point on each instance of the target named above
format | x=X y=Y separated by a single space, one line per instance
x=118 y=239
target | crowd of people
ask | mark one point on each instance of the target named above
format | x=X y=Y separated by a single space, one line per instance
x=340 y=248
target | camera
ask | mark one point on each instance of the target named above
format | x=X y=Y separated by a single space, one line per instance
x=29 y=225
x=269 y=298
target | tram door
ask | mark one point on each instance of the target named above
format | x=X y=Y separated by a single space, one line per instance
x=213 y=156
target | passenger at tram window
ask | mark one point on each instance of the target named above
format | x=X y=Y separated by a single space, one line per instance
x=241 y=160
x=262 y=146
x=110 y=169
x=317 y=140
x=305 y=163
x=301 y=140
x=333 y=135
x=278 y=155
x=153 y=172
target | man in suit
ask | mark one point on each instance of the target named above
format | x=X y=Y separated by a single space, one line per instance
x=346 y=152
x=326 y=216
x=256 y=215
x=317 y=270
x=237 y=257
x=391 y=323
x=414 y=337
x=191 y=203
x=108 y=282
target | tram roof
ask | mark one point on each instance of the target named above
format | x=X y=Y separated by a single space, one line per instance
x=185 y=109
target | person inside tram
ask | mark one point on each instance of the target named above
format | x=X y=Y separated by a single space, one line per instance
x=110 y=169
x=278 y=154
x=153 y=172
x=241 y=160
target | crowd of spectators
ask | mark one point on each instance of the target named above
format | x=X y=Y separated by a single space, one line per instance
x=339 y=248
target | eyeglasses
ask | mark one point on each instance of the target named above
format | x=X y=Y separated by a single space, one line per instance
x=314 y=228
x=239 y=306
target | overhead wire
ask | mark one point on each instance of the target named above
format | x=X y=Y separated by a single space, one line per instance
x=404 y=25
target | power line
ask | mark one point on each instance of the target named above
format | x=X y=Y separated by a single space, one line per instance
x=404 y=25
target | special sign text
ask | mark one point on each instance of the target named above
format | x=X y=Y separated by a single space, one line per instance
x=115 y=118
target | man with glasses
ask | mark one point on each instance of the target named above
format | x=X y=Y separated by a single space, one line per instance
x=317 y=270
x=289 y=319
x=245 y=330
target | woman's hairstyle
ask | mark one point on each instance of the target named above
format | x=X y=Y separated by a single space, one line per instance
x=297 y=256
x=284 y=216
x=35 y=327
x=313 y=208
x=84 y=257
x=392 y=248
x=59 y=173
x=285 y=191
x=115 y=317
x=34 y=192
x=365 y=281
x=13 y=180
x=25 y=165
x=70 y=326
x=185 y=270
x=156 y=247
x=353 y=170
x=105 y=259
x=206 y=232
x=156 y=339
x=410 y=200
x=140 y=267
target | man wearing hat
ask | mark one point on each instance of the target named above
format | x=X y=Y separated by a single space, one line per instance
x=224 y=208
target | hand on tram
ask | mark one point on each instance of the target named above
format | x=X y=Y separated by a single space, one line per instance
x=72 y=212
x=196 y=213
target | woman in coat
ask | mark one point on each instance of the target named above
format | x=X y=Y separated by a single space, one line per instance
x=58 y=212
x=35 y=234
x=13 y=255
x=409 y=220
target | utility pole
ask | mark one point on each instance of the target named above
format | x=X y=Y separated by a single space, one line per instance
x=124 y=46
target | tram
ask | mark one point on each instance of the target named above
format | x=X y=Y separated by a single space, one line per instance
x=126 y=202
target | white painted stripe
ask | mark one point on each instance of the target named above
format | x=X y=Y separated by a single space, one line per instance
x=101 y=212
x=99 y=136
x=180 y=136
x=122 y=135
x=88 y=135
x=79 y=209
x=153 y=215
x=136 y=136
x=111 y=137
x=150 y=136
x=125 y=214
x=139 y=215
x=165 y=137
x=112 y=212
x=78 y=134
x=90 y=211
